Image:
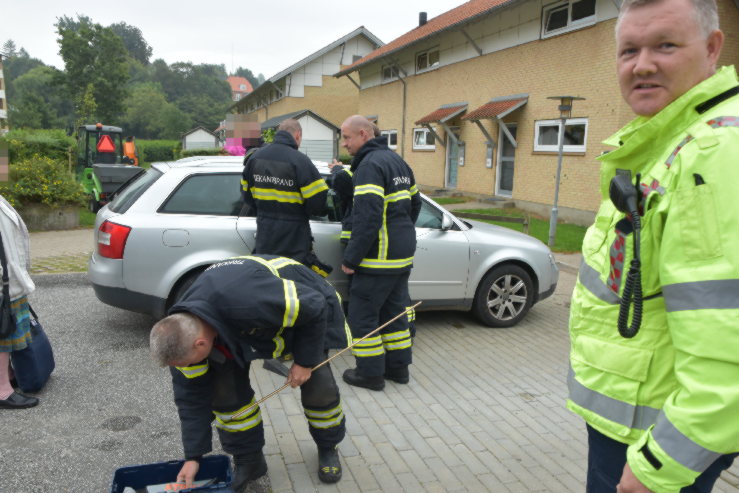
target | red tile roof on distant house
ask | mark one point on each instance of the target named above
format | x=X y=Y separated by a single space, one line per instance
x=457 y=16
x=237 y=82
x=497 y=107
x=443 y=114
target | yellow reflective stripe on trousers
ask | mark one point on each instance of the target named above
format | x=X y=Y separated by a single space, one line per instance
x=276 y=195
x=325 y=419
x=396 y=340
x=345 y=235
x=365 y=189
x=376 y=263
x=292 y=303
x=411 y=313
x=310 y=190
x=193 y=371
x=244 y=185
x=226 y=421
x=369 y=347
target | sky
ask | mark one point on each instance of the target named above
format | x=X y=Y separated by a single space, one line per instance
x=265 y=37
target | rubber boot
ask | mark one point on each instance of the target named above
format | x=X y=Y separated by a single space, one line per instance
x=398 y=375
x=329 y=465
x=248 y=467
x=352 y=377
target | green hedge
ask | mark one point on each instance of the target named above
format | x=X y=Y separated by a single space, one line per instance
x=25 y=144
x=157 y=150
x=42 y=180
x=208 y=151
x=345 y=158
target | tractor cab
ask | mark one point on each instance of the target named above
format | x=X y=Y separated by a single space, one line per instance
x=102 y=166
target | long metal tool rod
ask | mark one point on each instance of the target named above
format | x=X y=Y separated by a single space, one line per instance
x=396 y=317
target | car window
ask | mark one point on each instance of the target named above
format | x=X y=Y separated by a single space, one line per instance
x=429 y=217
x=213 y=194
x=127 y=196
x=333 y=204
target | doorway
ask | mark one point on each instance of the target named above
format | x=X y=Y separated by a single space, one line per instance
x=506 y=156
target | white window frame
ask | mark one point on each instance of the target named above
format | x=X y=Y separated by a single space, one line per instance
x=571 y=25
x=555 y=147
x=388 y=134
x=394 y=73
x=423 y=147
x=428 y=53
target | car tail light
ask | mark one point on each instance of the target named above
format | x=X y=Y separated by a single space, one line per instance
x=112 y=239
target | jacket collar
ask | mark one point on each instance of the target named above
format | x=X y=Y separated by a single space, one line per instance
x=284 y=137
x=378 y=143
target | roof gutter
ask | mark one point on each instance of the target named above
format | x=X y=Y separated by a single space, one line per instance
x=453 y=27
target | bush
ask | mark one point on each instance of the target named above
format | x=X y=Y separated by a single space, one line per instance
x=345 y=158
x=41 y=180
x=25 y=144
x=208 y=151
x=156 y=150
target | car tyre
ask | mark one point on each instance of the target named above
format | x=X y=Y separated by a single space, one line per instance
x=182 y=286
x=504 y=296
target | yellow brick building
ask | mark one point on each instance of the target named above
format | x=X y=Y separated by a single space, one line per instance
x=464 y=96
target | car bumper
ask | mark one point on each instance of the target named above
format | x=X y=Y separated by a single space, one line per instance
x=130 y=300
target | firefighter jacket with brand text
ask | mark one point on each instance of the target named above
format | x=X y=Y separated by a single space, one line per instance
x=285 y=188
x=672 y=391
x=262 y=306
x=386 y=206
x=341 y=184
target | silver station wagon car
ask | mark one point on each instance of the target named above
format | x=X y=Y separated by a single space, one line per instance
x=174 y=220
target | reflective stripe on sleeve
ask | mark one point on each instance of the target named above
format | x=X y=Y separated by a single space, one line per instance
x=280 y=262
x=276 y=195
x=292 y=303
x=681 y=448
x=374 y=263
x=623 y=413
x=312 y=189
x=244 y=185
x=365 y=189
x=345 y=235
x=702 y=295
x=413 y=190
x=193 y=371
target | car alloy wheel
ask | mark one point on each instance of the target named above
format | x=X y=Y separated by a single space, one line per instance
x=504 y=296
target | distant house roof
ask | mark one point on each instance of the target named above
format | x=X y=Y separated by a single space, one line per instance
x=455 y=18
x=237 y=83
x=185 y=134
x=274 y=122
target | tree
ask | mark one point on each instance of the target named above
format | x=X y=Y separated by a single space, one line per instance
x=39 y=102
x=17 y=63
x=150 y=115
x=86 y=107
x=248 y=75
x=95 y=60
x=9 y=48
x=134 y=41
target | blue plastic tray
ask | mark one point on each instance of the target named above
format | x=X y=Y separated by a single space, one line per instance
x=139 y=477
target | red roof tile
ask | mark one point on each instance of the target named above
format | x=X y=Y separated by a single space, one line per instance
x=236 y=84
x=441 y=114
x=493 y=109
x=458 y=15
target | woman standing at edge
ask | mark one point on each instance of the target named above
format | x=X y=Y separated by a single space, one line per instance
x=17 y=252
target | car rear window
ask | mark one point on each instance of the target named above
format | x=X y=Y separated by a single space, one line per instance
x=128 y=195
x=213 y=194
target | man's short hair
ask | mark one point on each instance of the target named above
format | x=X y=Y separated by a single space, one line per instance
x=705 y=11
x=291 y=126
x=172 y=338
x=376 y=130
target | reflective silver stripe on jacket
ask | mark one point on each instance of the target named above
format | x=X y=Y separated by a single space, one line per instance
x=681 y=448
x=702 y=295
x=590 y=279
x=623 y=413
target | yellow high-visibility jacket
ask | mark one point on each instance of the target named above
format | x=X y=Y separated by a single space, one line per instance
x=672 y=391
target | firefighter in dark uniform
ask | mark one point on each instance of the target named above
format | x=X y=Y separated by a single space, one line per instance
x=239 y=310
x=379 y=255
x=285 y=189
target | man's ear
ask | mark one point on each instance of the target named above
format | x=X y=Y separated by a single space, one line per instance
x=714 y=43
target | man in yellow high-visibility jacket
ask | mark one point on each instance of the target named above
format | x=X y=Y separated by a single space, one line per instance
x=662 y=407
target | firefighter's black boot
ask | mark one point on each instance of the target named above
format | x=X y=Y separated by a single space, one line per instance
x=329 y=466
x=248 y=468
x=398 y=375
x=352 y=377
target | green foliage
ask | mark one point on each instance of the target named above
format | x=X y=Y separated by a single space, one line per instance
x=24 y=144
x=345 y=158
x=268 y=134
x=568 y=238
x=41 y=180
x=39 y=101
x=452 y=200
x=150 y=115
x=208 y=151
x=95 y=64
x=87 y=218
x=133 y=40
x=156 y=150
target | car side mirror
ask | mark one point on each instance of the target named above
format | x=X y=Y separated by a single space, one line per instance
x=446 y=222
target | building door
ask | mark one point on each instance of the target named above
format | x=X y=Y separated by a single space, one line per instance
x=452 y=160
x=506 y=155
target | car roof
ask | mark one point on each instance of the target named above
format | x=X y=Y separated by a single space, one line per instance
x=220 y=162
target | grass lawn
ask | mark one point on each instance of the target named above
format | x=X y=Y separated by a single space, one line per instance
x=568 y=238
x=450 y=200
x=87 y=218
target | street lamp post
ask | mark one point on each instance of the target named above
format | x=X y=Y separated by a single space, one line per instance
x=565 y=112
